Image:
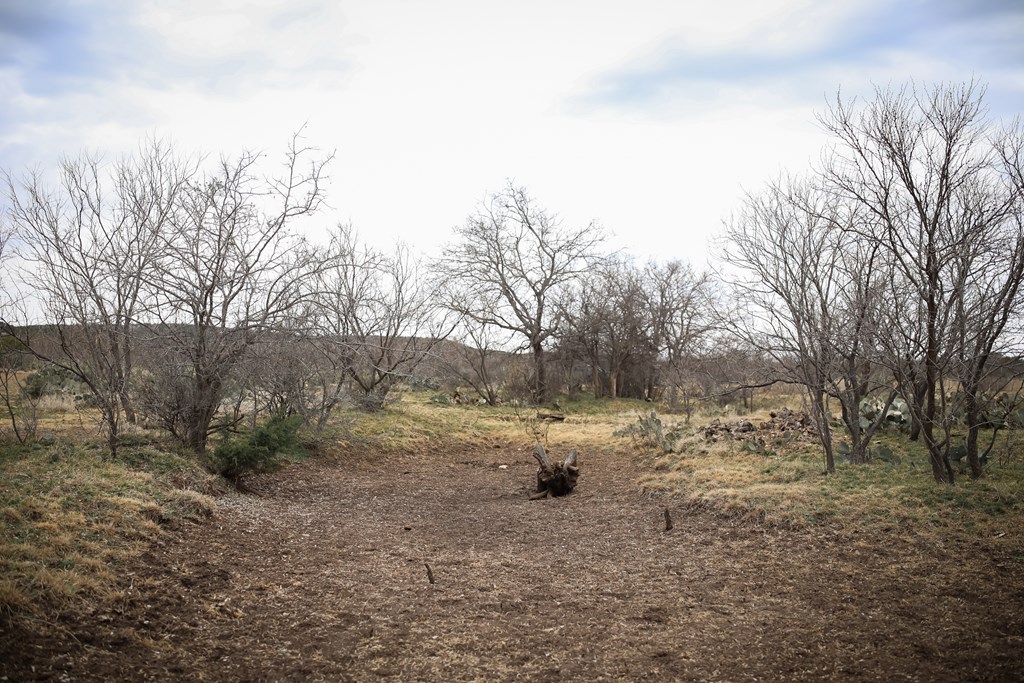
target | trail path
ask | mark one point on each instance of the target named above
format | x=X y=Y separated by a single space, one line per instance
x=319 y=574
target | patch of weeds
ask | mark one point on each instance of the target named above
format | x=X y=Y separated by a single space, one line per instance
x=649 y=431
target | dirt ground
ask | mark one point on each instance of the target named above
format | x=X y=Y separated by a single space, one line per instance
x=320 y=573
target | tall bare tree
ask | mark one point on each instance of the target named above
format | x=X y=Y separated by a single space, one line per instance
x=942 y=187
x=989 y=271
x=808 y=298
x=229 y=271
x=91 y=244
x=509 y=264
x=609 y=324
x=681 y=302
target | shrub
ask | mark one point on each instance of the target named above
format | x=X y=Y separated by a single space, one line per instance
x=649 y=431
x=259 y=452
x=49 y=380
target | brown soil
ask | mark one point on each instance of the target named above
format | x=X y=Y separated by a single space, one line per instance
x=320 y=574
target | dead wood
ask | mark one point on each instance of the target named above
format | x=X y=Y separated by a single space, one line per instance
x=551 y=417
x=556 y=479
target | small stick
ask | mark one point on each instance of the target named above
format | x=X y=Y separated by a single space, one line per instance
x=668 y=521
x=430 y=574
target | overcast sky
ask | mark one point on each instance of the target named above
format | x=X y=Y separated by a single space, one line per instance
x=648 y=116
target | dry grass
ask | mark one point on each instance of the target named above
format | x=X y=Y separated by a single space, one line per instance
x=53 y=404
x=69 y=514
x=784 y=484
x=415 y=424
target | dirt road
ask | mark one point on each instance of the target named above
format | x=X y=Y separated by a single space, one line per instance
x=321 y=574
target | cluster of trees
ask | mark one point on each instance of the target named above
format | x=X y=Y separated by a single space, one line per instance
x=517 y=280
x=180 y=294
x=894 y=269
x=183 y=295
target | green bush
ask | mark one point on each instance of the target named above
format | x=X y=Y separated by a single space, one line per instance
x=259 y=452
x=49 y=379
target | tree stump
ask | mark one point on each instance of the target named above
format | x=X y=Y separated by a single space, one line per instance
x=555 y=479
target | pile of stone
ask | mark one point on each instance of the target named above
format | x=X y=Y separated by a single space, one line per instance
x=787 y=420
x=780 y=423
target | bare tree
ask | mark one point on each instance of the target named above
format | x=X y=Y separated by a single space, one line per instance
x=91 y=244
x=630 y=347
x=477 y=358
x=379 y=313
x=942 y=189
x=987 y=304
x=229 y=272
x=808 y=298
x=610 y=324
x=20 y=405
x=583 y=312
x=515 y=259
x=681 y=301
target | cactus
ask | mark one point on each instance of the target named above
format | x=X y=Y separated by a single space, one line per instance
x=898 y=413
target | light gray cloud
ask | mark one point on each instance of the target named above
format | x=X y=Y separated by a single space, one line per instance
x=226 y=52
x=57 y=47
x=79 y=74
x=52 y=46
x=891 y=41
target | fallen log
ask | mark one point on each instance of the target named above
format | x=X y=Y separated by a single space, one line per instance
x=551 y=417
x=555 y=479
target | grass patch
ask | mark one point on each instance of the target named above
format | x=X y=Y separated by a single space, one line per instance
x=418 y=424
x=69 y=513
x=784 y=484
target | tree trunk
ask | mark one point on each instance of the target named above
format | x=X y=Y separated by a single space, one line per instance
x=851 y=418
x=539 y=381
x=197 y=429
x=941 y=469
x=206 y=395
x=125 y=373
x=920 y=388
x=112 y=414
x=555 y=479
x=129 y=408
x=973 y=417
x=824 y=429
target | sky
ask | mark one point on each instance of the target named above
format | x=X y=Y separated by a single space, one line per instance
x=648 y=117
